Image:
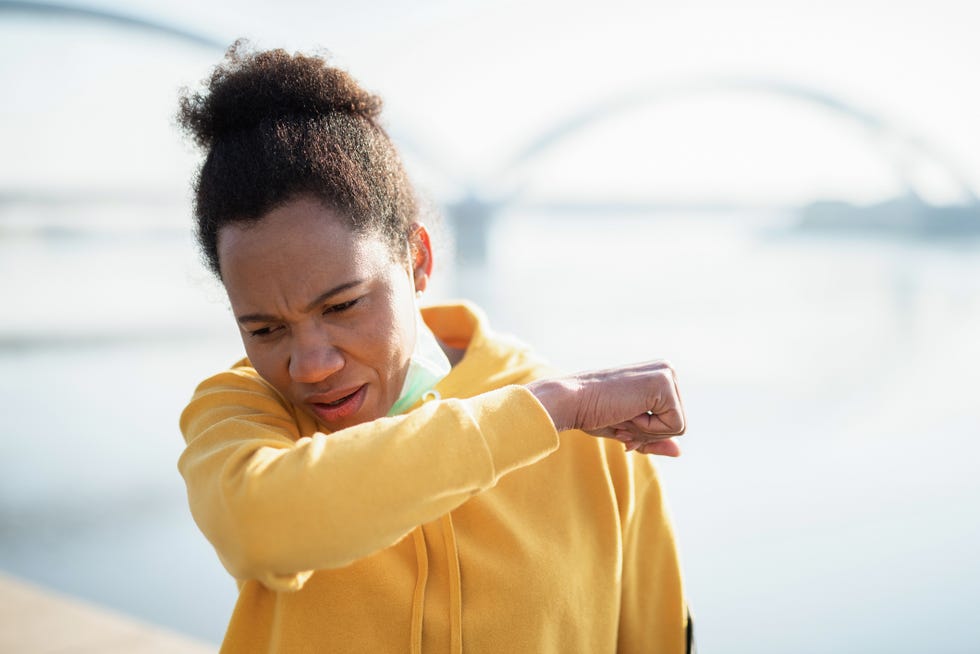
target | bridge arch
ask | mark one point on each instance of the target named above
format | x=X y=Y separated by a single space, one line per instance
x=878 y=127
x=107 y=17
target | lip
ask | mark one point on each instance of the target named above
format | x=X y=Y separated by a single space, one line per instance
x=353 y=400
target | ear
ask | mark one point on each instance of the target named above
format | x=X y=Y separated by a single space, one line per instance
x=420 y=255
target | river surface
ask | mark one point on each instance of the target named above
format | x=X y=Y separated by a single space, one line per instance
x=827 y=500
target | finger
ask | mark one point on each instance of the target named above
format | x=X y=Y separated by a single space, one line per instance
x=680 y=404
x=630 y=431
x=621 y=433
x=665 y=447
x=665 y=420
x=655 y=364
x=613 y=432
x=667 y=414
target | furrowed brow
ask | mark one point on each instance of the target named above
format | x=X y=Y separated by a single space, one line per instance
x=320 y=299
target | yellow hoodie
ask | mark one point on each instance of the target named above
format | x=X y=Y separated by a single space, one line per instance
x=466 y=524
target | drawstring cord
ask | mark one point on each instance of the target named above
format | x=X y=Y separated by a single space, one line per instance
x=455 y=586
x=418 y=601
x=455 y=579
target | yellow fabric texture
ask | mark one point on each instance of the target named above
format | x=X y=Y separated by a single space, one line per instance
x=521 y=539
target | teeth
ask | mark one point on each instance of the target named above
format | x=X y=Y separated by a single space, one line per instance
x=338 y=402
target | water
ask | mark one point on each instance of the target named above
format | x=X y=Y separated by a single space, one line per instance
x=827 y=498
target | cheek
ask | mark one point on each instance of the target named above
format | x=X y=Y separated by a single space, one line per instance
x=394 y=343
x=270 y=364
x=397 y=330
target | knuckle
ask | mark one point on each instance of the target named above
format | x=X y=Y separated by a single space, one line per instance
x=666 y=371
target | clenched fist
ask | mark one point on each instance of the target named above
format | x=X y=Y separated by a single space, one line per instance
x=638 y=405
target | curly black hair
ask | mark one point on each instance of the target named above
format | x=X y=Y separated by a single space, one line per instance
x=274 y=126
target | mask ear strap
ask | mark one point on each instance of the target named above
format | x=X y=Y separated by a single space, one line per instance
x=426 y=368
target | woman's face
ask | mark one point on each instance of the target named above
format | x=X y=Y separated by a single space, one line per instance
x=327 y=315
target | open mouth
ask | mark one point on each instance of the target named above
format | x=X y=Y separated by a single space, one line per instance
x=338 y=402
x=340 y=408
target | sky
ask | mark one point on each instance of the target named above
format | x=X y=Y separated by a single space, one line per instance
x=468 y=84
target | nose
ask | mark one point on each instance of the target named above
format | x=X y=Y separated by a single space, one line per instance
x=313 y=357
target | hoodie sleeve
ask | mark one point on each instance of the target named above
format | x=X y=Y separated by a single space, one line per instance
x=653 y=608
x=277 y=506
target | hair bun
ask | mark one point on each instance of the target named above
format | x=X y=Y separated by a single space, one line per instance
x=250 y=88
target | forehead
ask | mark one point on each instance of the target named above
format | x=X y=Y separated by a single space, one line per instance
x=300 y=244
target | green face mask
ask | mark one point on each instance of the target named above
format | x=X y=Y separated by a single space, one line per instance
x=427 y=367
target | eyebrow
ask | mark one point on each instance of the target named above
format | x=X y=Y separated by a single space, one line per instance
x=320 y=299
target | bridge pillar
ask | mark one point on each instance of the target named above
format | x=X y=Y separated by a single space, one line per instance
x=470 y=220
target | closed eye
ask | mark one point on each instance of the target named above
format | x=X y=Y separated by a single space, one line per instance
x=263 y=331
x=343 y=306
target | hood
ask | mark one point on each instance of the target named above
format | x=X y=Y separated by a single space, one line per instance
x=491 y=360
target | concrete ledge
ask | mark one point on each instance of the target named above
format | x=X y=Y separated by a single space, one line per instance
x=34 y=620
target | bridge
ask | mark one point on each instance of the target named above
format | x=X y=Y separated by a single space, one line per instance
x=481 y=200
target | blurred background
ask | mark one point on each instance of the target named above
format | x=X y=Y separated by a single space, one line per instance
x=778 y=196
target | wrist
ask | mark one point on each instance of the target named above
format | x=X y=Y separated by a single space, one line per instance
x=557 y=398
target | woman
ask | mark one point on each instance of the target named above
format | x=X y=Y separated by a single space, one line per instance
x=380 y=478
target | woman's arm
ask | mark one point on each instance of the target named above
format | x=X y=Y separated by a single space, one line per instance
x=276 y=506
